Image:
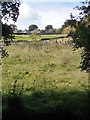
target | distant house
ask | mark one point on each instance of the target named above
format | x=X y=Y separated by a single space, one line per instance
x=20 y=32
x=35 y=31
x=26 y=31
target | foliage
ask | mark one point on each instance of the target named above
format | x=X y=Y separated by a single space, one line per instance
x=51 y=31
x=58 y=31
x=42 y=32
x=32 y=27
x=10 y=10
x=68 y=23
x=48 y=27
x=81 y=36
x=7 y=33
x=68 y=26
x=4 y=52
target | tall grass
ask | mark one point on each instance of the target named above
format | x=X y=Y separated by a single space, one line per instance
x=40 y=63
x=48 y=78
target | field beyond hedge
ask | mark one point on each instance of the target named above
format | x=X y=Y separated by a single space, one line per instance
x=45 y=79
x=37 y=37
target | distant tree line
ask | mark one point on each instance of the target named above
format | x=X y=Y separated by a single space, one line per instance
x=34 y=28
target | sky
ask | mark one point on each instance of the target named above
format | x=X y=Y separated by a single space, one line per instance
x=45 y=12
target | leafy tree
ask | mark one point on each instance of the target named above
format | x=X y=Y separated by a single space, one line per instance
x=33 y=27
x=42 y=32
x=69 y=24
x=81 y=36
x=58 y=31
x=8 y=10
x=48 y=27
x=51 y=31
x=7 y=34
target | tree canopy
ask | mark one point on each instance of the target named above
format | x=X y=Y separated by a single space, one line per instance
x=32 y=27
x=48 y=27
x=8 y=10
x=81 y=36
x=7 y=34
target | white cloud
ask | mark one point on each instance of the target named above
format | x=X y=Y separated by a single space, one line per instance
x=26 y=12
x=55 y=17
x=52 y=17
x=28 y=15
x=43 y=16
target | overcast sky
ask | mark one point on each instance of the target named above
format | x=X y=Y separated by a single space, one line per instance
x=45 y=12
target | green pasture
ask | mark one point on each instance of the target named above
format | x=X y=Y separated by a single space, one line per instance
x=38 y=37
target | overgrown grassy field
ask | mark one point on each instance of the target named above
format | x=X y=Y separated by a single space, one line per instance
x=47 y=80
